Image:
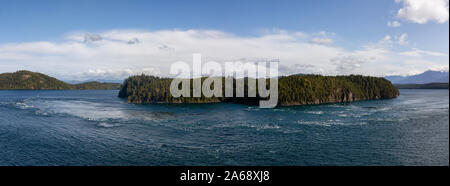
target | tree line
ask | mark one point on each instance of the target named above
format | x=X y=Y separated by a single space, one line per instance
x=26 y=80
x=292 y=90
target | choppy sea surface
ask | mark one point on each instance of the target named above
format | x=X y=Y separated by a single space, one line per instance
x=98 y=128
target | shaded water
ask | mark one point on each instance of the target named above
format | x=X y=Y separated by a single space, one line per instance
x=97 y=128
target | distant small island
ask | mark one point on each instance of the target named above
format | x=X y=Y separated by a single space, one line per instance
x=293 y=90
x=26 y=80
x=423 y=86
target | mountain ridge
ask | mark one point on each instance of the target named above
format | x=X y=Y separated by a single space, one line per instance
x=428 y=76
x=422 y=86
x=27 y=80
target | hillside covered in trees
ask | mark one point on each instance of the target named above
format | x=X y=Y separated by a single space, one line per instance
x=94 y=85
x=26 y=80
x=423 y=86
x=292 y=90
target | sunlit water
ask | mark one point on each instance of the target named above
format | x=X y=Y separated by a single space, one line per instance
x=98 y=128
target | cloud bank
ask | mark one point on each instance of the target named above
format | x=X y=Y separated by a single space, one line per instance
x=117 y=54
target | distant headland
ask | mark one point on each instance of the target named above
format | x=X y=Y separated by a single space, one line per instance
x=26 y=80
x=423 y=86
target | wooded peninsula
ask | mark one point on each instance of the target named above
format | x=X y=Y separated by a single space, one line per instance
x=26 y=80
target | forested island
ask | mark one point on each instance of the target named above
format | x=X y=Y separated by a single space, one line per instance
x=292 y=90
x=423 y=86
x=26 y=80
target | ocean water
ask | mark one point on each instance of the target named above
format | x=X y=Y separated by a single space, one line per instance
x=98 y=128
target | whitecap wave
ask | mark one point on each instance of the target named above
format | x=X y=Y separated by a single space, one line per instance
x=315 y=112
x=328 y=123
x=107 y=125
x=252 y=109
x=90 y=111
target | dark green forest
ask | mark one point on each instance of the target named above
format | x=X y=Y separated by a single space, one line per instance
x=26 y=80
x=292 y=90
x=94 y=85
x=423 y=86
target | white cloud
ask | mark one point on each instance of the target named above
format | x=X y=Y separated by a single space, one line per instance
x=139 y=49
x=89 y=38
x=422 y=11
x=442 y=68
x=389 y=40
x=321 y=41
x=360 y=61
x=418 y=65
x=121 y=53
x=322 y=38
x=324 y=34
x=402 y=39
x=386 y=40
x=393 y=24
x=420 y=53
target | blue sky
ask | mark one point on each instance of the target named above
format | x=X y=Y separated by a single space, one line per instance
x=346 y=25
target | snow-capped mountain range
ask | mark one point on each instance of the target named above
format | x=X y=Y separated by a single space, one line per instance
x=429 y=76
